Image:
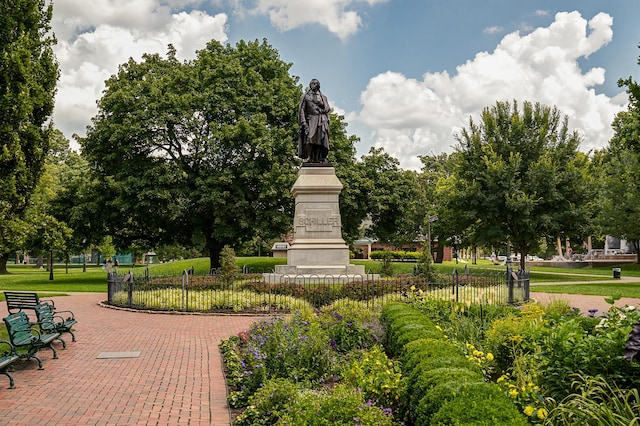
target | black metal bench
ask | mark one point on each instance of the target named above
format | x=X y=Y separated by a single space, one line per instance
x=8 y=356
x=24 y=336
x=19 y=300
x=52 y=321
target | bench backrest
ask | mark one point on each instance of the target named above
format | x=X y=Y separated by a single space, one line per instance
x=18 y=300
x=19 y=329
x=44 y=314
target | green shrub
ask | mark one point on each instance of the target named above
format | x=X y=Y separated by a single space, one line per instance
x=338 y=406
x=269 y=403
x=430 y=402
x=514 y=336
x=478 y=404
x=379 y=378
x=296 y=349
x=421 y=350
x=568 y=351
x=404 y=324
x=347 y=333
x=429 y=379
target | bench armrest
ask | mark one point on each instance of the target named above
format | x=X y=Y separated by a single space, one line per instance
x=10 y=350
x=57 y=314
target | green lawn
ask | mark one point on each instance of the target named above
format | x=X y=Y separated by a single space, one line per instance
x=29 y=278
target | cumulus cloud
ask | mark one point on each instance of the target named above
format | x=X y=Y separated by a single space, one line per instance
x=413 y=117
x=95 y=37
x=336 y=15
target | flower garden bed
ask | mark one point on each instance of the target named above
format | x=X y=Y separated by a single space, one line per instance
x=434 y=362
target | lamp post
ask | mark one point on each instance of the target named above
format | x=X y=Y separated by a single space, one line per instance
x=430 y=220
x=50 y=265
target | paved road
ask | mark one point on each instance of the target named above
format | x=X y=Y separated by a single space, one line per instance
x=176 y=379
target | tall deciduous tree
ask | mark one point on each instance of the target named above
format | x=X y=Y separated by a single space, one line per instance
x=518 y=178
x=391 y=200
x=203 y=148
x=620 y=209
x=28 y=76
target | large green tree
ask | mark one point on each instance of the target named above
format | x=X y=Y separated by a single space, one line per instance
x=28 y=76
x=518 y=178
x=197 y=149
x=391 y=199
x=620 y=166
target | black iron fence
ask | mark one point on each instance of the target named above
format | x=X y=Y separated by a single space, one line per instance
x=262 y=293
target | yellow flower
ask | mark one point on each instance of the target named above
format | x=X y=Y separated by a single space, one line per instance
x=412 y=288
x=489 y=356
x=542 y=413
x=513 y=393
x=528 y=410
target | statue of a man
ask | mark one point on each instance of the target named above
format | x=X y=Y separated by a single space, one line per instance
x=313 y=121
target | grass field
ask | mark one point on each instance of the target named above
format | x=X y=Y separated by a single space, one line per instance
x=29 y=278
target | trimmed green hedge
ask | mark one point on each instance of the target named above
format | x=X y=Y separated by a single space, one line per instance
x=443 y=386
x=395 y=255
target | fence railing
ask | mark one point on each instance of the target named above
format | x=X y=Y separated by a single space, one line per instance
x=255 y=293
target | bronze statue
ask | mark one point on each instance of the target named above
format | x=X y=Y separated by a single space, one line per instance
x=313 y=121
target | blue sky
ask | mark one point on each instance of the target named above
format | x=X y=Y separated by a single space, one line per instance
x=407 y=74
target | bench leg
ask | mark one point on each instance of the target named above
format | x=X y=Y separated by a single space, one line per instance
x=55 y=353
x=30 y=355
x=12 y=384
x=73 y=336
x=64 y=344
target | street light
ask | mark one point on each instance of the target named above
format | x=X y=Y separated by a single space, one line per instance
x=430 y=220
x=50 y=265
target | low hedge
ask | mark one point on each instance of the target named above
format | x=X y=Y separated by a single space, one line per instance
x=395 y=255
x=476 y=404
x=458 y=394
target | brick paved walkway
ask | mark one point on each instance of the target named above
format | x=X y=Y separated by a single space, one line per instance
x=176 y=379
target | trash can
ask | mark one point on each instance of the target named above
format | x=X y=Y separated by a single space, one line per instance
x=616 y=272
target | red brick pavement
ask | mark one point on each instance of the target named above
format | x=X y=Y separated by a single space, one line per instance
x=176 y=380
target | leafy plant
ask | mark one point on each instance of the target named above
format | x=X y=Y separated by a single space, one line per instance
x=228 y=271
x=379 y=378
x=596 y=401
x=269 y=403
x=339 y=406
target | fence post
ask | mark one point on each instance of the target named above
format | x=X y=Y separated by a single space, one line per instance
x=130 y=290
x=454 y=283
x=185 y=289
x=110 y=288
x=510 y=284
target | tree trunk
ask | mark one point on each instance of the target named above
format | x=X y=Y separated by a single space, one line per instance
x=4 y=257
x=636 y=246
x=559 y=246
x=215 y=248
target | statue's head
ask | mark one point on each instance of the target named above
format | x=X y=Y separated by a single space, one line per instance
x=314 y=84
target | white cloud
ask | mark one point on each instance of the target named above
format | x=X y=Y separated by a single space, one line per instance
x=335 y=15
x=413 y=117
x=493 y=30
x=95 y=37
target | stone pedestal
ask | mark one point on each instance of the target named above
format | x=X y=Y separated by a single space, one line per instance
x=317 y=248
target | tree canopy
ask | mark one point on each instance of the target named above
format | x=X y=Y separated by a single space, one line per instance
x=28 y=76
x=620 y=167
x=202 y=149
x=518 y=177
